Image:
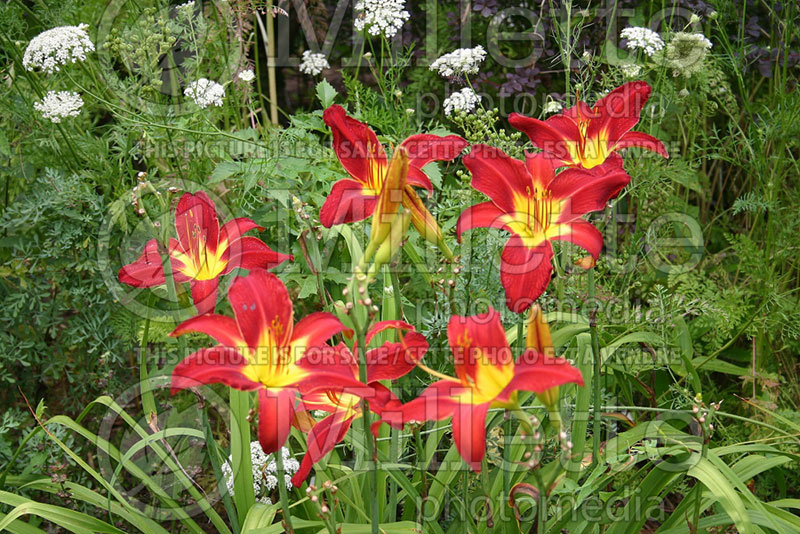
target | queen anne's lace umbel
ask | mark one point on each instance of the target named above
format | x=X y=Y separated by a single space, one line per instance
x=57 y=105
x=463 y=100
x=460 y=62
x=313 y=63
x=642 y=38
x=264 y=472
x=58 y=46
x=381 y=17
x=247 y=75
x=204 y=93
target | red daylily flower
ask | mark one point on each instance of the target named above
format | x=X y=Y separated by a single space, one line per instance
x=363 y=157
x=587 y=137
x=536 y=206
x=387 y=362
x=487 y=376
x=262 y=349
x=203 y=252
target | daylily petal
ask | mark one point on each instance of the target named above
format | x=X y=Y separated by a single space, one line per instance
x=223 y=329
x=390 y=361
x=541 y=169
x=235 y=228
x=525 y=272
x=425 y=148
x=483 y=215
x=275 y=415
x=469 y=433
x=538 y=373
x=586 y=192
x=580 y=232
x=322 y=439
x=382 y=326
x=438 y=401
x=204 y=295
x=642 y=140
x=315 y=329
x=262 y=307
x=618 y=111
x=497 y=175
x=197 y=225
x=478 y=341
x=252 y=253
x=216 y=365
x=355 y=144
x=148 y=269
x=553 y=141
x=347 y=202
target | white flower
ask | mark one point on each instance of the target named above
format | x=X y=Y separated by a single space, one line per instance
x=264 y=469
x=57 y=46
x=205 y=93
x=247 y=75
x=460 y=62
x=57 y=105
x=381 y=17
x=313 y=63
x=643 y=38
x=463 y=100
x=631 y=71
x=552 y=107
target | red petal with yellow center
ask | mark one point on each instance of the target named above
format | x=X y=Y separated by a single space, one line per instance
x=525 y=272
x=217 y=365
x=252 y=253
x=382 y=326
x=438 y=401
x=148 y=269
x=355 y=144
x=497 y=175
x=483 y=215
x=585 y=192
x=425 y=148
x=321 y=440
x=478 y=341
x=262 y=307
x=538 y=373
x=618 y=111
x=204 y=295
x=235 y=228
x=555 y=142
x=580 y=232
x=275 y=415
x=391 y=360
x=197 y=225
x=315 y=329
x=469 y=433
x=641 y=140
x=223 y=329
x=347 y=202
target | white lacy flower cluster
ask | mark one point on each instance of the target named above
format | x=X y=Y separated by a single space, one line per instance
x=204 y=93
x=642 y=38
x=463 y=100
x=631 y=71
x=247 y=75
x=552 y=107
x=264 y=469
x=57 y=105
x=313 y=63
x=57 y=46
x=460 y=62
x=381 y=17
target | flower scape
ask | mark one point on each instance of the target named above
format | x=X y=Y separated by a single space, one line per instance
x=390 y=267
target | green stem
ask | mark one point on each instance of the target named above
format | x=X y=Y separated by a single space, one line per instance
x=365 y=416
x=287 y=515
x=596 y=412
